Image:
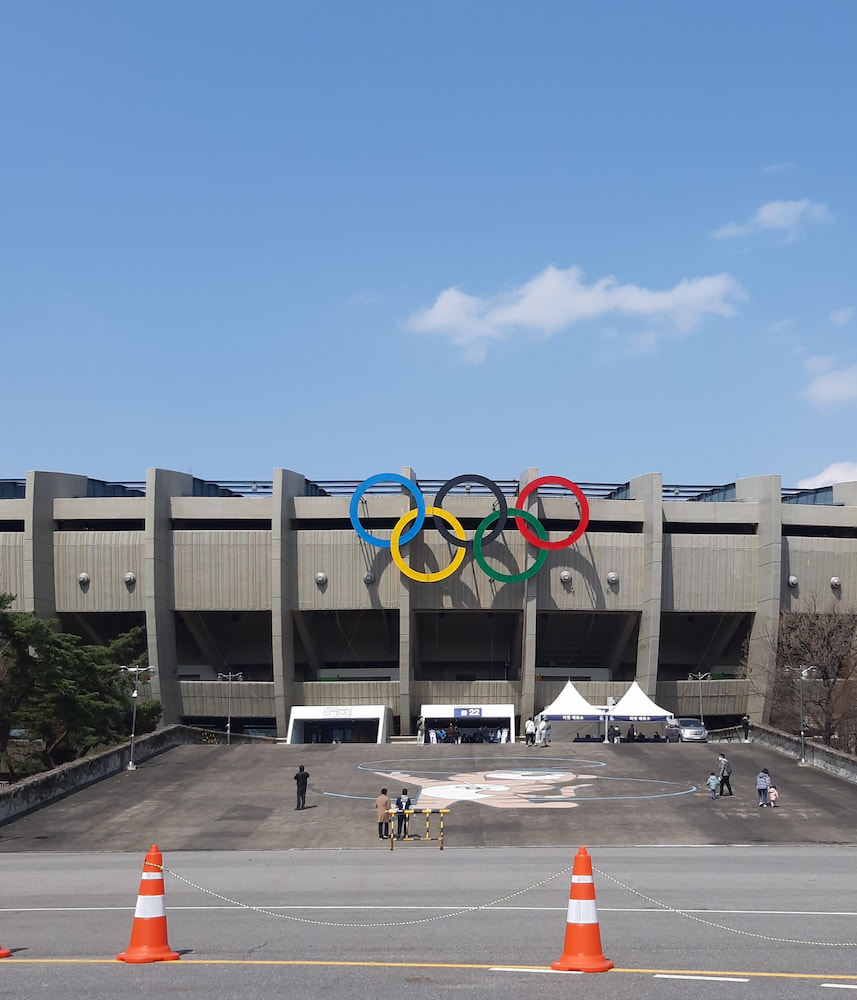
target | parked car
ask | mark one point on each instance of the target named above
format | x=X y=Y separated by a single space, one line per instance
x=686 y=731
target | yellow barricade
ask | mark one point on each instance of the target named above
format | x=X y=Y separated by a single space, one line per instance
x=409 y=813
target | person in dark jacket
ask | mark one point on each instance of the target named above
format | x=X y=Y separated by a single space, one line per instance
x=724 y=773
x=403 y=802
x=301 y=780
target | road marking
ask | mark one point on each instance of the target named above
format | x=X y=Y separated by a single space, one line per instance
x=711 y=979
x=840 y=986
x=647 y=910
x=665 y=973
x=523 y=968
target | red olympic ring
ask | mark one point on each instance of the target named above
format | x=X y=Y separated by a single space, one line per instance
x=563 y=543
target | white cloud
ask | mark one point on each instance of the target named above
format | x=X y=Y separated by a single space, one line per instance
x=819 y=363
x=838 y=472
x=777 y=167
x=556 y=299
x=787 y=216
x=839 y=317
x=364 y=299
x=833 y=387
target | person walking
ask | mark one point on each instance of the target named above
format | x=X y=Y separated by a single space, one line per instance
x=713 y=783
x=724 y=774
x=763 y=784
x=543 y=732
x=530 y=732
x=745 y=725
x=382 y=809
x=421 y=730
x=403 y=803
x=301 y=780
x=773 y=796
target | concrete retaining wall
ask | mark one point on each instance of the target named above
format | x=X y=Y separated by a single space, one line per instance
x=843 y=765
x=33 y=793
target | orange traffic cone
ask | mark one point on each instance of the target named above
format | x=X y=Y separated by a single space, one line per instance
x=581 y=951
x=149 y=930
x=5 y=953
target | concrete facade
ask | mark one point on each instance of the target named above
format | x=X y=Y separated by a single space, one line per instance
x=271 y=579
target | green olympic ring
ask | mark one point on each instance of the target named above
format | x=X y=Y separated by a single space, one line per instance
x=479 y=556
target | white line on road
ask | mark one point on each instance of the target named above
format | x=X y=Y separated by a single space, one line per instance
x=838 y=986
x=711 y=979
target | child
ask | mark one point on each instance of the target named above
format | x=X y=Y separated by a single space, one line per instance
x=773 y=795
x=713 y=783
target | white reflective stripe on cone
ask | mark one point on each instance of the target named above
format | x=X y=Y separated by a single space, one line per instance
x=582 y=911
x=150 y=875
x=150 y=906
x=582 y=878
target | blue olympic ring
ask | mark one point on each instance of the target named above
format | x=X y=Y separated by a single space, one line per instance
x=387 y=477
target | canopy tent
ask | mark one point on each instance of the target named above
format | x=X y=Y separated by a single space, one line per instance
x=472 y=722
x=570 y=706
x=339 y=724
x=636 y=706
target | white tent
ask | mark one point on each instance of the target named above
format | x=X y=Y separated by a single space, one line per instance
x=636 y=706
x=570 y=706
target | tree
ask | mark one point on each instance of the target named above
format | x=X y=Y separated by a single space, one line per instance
x=817 y=651
x=67 y=694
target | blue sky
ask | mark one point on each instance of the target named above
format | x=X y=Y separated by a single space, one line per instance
x=598 y=239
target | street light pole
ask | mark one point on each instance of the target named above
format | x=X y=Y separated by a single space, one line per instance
x=700 y=677
x=803 y=673
x=136 y=671
x=229 y=678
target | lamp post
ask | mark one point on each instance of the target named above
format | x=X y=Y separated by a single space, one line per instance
x=804 y=672
x=136 y=671
x=700 y=677
x=229 y=678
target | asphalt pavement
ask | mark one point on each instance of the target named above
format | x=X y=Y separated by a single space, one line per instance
x=243 y=798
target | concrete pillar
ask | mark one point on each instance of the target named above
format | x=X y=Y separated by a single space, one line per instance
x=649 y=489
x=41 y=490
x=407 y=637
x=530 y=616
x=287 y=485
x=766 y=492
x=161 y=487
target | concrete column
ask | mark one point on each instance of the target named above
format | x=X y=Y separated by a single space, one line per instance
x=766 y=491
x=649 y=489
x=161 y=487
x=530 y=617
x=41 y=490
x=407 y=638
x=287 y=486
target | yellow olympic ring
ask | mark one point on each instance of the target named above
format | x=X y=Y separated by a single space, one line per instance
x=441 y=574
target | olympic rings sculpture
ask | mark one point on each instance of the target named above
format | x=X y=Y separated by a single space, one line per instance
x=450 y=528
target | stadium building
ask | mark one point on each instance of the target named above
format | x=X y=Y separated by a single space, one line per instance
x=400 y=592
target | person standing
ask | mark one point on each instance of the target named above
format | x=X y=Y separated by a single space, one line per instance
x=530 y=732
x=745 y=725
x=763 y=783
x=724 y=774
x=382 y=809
x=301 y=780
x=773 y=796
x=403 y=803
x=421 y=730
x=713 y=783
x=543 y=732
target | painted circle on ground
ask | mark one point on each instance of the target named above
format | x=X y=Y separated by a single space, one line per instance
x=386 y=477
x=479 y=556
x=563 y=543
x=459 y=481
x=396 y=540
